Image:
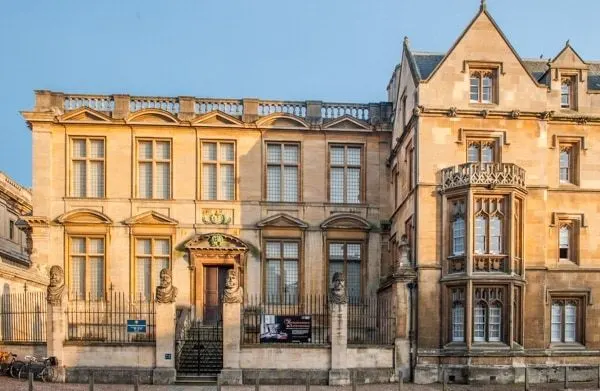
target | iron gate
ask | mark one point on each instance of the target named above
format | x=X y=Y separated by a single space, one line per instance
x=200 y=349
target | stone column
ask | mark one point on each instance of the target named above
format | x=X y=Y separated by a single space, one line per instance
x=231 y=373
x=56 y=334
x=339 y=374
x=164 y=372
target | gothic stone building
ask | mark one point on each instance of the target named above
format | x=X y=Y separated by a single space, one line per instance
x=482 y=162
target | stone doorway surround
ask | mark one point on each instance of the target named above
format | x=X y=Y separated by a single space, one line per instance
x=213 y=249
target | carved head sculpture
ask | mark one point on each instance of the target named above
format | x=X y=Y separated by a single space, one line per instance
x=233 y=291
x=231 y=281
x=57 y=276
x=165 y=278
x=57 y=285
x=166 y=292
x=337 y=294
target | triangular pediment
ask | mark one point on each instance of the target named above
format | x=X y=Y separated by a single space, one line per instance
x=83 y=216
x=346 y=122
x=282 y=120
x=482 y=41
x=150 y=218
x=282 y=220
x=152 y=116
x=346 y=221
x=84 y=114
x=217 y=118
x=568 y=58
x=216 y=241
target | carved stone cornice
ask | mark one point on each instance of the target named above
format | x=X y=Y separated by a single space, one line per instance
x=548 y=115
x=486 y=174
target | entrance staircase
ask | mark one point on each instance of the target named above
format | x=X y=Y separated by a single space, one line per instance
x=200 y=357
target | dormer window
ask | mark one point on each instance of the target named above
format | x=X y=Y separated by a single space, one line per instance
x=567 y=92
x=482 y=86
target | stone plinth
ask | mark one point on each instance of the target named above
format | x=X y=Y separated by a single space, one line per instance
x=339 y=373
x=56 y=334
x=165 y=373
x=231 y=373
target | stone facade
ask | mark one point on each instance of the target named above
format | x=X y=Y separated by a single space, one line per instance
x=470 y=195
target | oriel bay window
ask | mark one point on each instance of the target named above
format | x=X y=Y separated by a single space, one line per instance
x=87 y=167
x=566 y=320
x=345 y=174
x=489 y=225
x=154 y=168
x=218 y=170
x=345 y=258
x=283 y=172
x=282 y=271
x=151 y=256
x=86 y=267
x=488 y=308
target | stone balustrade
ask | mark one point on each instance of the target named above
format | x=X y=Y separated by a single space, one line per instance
x=247 y=109
x=483 y=174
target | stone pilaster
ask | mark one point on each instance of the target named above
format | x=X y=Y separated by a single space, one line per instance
x=250 y=109
x=56 y=334
x=231 y=373
x=164 y=372
x=339 y=374
x=404 y=279
x=187 y=109
x=122 y=106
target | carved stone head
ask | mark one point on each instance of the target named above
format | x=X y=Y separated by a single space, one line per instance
x=231 y=281
x=166 y=292
x=338 y=289
x=165 y=278
x=57 y=285
x=57 y=276
x=233 y=291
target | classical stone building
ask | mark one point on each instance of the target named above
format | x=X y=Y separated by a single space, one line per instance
x=468 y=200
x=494 y=171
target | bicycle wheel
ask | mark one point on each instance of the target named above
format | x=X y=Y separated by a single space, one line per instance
x=23 y=372
x=14 y=368
x=47 y=374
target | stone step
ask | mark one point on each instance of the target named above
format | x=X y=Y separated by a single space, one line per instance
x=204 y=379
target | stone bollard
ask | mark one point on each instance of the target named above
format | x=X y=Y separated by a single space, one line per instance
x=599 y=377
x=218 y=383
x=566 y=385
x=136 y=382
x=526 y=383
x=354 y=380
x=400 y=381
x=257 y=384
x=308 y=381
x=444 y=380
x=30 y=380
x=91 y=381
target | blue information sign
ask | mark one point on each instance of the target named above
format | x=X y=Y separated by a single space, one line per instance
x=136 y=326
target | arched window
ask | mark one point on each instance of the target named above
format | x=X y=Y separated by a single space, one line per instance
x=482 y=86
x=564 y=242
x=565 y=320
x=480 y=234
x=458 y=236
x=489 y=225
x=495 y=322
x=487 y=314
x=495 y=235
x=473 y=153
x=479 y=316
x=458 y=314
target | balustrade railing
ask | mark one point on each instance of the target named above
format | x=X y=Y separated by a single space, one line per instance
x=266 y=107
x=489 y=174
x=141 y=102
x=233 y=107
x=335 y=110
x=95 y=102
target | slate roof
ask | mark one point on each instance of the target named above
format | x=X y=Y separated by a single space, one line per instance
x=426 y=62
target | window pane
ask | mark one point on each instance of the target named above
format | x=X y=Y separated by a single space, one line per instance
x=487 y=154
x=291 y=281
x=353 y=279
x=227 y=182
x=143 y=247
x=273 y=281
x=564 y=161
x=142 y=279
x=486 y=95
x=570 y=322
x=273 y=153
x=163 y=180
x=479 y=323
x=227 y=152
x=290 y=184
x=209 y=151
x=163 y=150
x=565 y=94
x=209 y=182
x=336 y=250
x=556 y=322
x=458 y=326
x=97 y=277
x=496 y=235
x=97 y=149
x=78 y=245
x=96 y=179
x=290 y=250
x=458 y=235
x=291 y=154
x=473 y=153
x=273 y=249
x=78 y=277
x=353 y=251
x=96 y=246
x=337 y=185
x=145 y=150
x=274 y=183
x=337 y=155
x=480 y=234
x=353 y=186
x=495 y=323
x=79 y=150
x=79 y=181
x=161 y=247
x=353 y=156
x=474 y=89
x=145 y=180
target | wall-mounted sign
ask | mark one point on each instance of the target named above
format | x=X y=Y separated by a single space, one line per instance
x=285 y=329
x=136 y=326
x=168 y=356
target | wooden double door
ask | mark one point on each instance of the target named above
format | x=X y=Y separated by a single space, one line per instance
x=214 y=286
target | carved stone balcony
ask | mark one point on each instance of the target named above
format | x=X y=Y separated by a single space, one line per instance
x=483 y=174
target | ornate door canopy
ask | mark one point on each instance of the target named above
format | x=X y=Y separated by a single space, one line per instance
x=216 y=243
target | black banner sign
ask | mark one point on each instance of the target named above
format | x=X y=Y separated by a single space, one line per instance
x=285 y=329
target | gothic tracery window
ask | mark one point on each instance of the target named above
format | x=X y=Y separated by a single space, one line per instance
x=488 y=314
x=489 y=225
x=482 y=86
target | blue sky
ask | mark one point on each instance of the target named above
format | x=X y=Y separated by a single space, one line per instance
x=336 y=50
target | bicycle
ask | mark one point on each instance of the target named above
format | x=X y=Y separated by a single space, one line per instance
x=43 y=370
x=9 y=365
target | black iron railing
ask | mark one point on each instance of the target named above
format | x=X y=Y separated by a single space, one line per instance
x=258 y=309
x=371 y=321
x=106 y=321
x=23 y=317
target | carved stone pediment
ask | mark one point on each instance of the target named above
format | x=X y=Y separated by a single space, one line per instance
x=282 y=220
x=152 y=116
x=84 y=114
x=83 y=216
x=282 y=120
x=216 y=241
x=346 y=221
x=346 y=122
x=217 y=118
x=150 y=218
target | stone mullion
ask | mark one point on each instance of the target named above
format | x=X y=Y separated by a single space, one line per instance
x=469 y=313
x=511 y=313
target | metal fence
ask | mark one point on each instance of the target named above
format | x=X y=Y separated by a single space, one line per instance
x=371 y=321
x=313 y=306
x=23 y=317
x=105 y=321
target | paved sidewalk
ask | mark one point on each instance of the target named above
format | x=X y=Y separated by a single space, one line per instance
x=8 y=384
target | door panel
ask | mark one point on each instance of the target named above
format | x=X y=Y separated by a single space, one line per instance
x=214 y=285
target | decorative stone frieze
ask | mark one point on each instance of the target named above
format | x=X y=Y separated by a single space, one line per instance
x=487 y=174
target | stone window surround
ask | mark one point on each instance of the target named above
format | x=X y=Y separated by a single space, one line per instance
x=496 y=68
x=152 y=256
x=298 y=164
x=584 y=296
x=69 y=174
x=136 y=159
x=217 y=162
x=576 y=222
x=362 y=181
